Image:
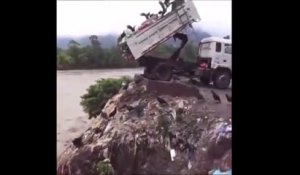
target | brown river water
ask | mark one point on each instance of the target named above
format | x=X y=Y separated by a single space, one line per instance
x=71 y=120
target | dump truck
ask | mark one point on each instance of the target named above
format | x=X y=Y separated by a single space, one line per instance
x=213 y=61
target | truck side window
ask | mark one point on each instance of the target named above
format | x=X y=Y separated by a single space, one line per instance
x=218 y=47
x=228 y=50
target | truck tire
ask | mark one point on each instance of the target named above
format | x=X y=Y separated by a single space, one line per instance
x=205 y=80
x=222 y=79
x=162 y=71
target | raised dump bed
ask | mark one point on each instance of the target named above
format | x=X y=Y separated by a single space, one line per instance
x=143 y=41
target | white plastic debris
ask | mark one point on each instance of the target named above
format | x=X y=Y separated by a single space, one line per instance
x=106 y=161
x=228 y=135
x=228 y=128
x=135 y=103
x=172 y=154
x=108 y=127
x=189 y=165
x=181 y=105
x=220 y=119
x=173 y=113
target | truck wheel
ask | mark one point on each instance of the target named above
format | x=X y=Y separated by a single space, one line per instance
x=205 y=80
x=222 y=79
x=162 y=71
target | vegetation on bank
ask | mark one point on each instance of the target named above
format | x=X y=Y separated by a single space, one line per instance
x=90 y=57
x=94 y=56
x=99 y=93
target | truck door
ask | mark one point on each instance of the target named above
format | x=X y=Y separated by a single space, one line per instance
x=217 y=60
x=227 y=55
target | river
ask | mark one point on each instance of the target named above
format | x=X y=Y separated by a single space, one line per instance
x=71 y=84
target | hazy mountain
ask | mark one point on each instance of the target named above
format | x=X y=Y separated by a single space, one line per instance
x=106 y=41
x=194 y=35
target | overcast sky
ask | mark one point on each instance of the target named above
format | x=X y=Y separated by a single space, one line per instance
x=77 y=18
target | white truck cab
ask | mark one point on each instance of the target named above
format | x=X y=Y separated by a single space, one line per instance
x=215 y=55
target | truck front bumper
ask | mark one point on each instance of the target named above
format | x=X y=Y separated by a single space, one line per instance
x=203 y=72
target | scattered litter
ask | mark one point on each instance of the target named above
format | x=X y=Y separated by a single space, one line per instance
x=135 y=103
x=181 y=105
x=189 y=165
x=160 y=128
x=173 y=113
x=228 y=128
x=172 y=154
x=218 y=172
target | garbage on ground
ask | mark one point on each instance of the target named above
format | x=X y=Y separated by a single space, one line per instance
x=219 y=172
x=172 y=154
x=163 y=138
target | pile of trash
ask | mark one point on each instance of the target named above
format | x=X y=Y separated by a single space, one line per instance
x=142 y=131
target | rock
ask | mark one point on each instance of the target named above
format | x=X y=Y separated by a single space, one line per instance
x=77 y=142
x=110 y=107
x=72 y=129
x=138 y=78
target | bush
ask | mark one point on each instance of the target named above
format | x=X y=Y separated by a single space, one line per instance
x=64 y=59
x=98 y=94
x=104 y=168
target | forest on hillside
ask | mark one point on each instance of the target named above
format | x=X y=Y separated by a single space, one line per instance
x=94 y=56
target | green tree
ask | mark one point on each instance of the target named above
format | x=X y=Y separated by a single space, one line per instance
x=63 y=59
x=91 y=56
x=59 y=50
x=98 y=94
x=97 y=53
x=113 y=57
x=73 y=43
x=74 y=51
x=189 y=52
x=94 y=41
